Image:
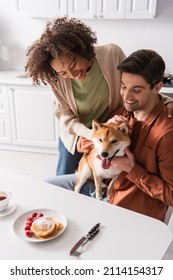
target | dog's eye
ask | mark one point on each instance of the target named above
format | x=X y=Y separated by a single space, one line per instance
x=114 y=141
x=100 y=140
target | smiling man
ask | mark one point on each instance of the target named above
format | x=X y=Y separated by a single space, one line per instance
x=146 y=182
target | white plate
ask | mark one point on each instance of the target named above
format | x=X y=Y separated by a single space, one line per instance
x=20 y=223
x=10 y=209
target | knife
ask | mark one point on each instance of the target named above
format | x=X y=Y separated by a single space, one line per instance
x=87 y=237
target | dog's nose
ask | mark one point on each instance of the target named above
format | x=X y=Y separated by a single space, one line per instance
x=104 y=154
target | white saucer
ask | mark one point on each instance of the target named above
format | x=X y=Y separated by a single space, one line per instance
x=9 y=210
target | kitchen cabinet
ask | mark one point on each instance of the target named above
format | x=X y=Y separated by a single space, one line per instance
x=126 y=9
x=82 y=9
x=96 y=9
x=89 y=9
x=42 y=8
x=143 y=9
x=27 y=120
x=5 y=132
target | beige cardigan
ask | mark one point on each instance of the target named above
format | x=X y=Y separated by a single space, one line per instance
x=108 y=57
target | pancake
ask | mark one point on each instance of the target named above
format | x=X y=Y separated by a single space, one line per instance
x=57 y=229
x=43 y=226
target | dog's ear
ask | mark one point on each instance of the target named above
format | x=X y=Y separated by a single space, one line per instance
x=123 y=128
x=96 y=125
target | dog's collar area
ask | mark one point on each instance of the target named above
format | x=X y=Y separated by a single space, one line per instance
x=114 y=154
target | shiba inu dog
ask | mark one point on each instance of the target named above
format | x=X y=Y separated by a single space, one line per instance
x=109 y=140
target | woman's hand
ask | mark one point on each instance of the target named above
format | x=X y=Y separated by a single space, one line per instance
x=170 y=109
x=125 y=163
x=84 y=145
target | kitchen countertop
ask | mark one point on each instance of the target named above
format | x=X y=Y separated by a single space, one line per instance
x=166 y=90
x=17 y=77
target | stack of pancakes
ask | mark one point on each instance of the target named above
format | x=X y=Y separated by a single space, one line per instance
x=46 y=227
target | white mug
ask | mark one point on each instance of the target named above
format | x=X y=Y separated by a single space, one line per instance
x=4 y=200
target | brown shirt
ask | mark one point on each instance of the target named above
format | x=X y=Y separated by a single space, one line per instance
x=148 y=188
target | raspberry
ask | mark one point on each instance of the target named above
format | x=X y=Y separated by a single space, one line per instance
x=27 y=228
x=28 y=233
x=34 y=215
x=29 y=223
x=40 y=215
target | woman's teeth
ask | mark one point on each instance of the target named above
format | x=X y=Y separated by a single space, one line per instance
x=78 y=75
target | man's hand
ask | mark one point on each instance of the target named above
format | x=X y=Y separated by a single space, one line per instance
x=170 y=109
x=125 y=163
x=118 y=119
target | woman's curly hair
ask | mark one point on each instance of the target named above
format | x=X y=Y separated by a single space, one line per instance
x=61 y=36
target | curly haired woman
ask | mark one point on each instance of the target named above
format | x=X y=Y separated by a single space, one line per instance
x=83 y=77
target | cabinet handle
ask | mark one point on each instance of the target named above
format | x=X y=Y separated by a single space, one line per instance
x=101 y=16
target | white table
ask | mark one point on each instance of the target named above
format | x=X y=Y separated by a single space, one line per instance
x=125 y=235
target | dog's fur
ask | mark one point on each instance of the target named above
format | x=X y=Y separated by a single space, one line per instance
x=109 y=140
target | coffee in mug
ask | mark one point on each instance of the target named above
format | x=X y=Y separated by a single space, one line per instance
x=2 y=197
x=4 y=200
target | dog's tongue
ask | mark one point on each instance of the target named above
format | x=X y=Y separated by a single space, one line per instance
x=106 y=163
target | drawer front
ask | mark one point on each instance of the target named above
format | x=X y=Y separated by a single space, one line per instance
x=4 y=106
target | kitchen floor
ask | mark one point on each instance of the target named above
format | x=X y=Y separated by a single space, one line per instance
x=31 y=164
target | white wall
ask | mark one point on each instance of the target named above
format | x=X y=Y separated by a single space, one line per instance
x=19 y=32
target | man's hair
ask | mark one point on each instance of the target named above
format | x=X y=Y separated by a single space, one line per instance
x=146 y=63
x=62 y=36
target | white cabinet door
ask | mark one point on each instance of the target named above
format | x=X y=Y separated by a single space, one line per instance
x=32 y=116
x=4 y=106
x=98 y=9
x=43 y=8
x=82 y=8
x=140 y=9
x=5 y=129
x=111 y=9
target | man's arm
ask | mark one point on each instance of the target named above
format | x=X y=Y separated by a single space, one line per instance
x=157 y=186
